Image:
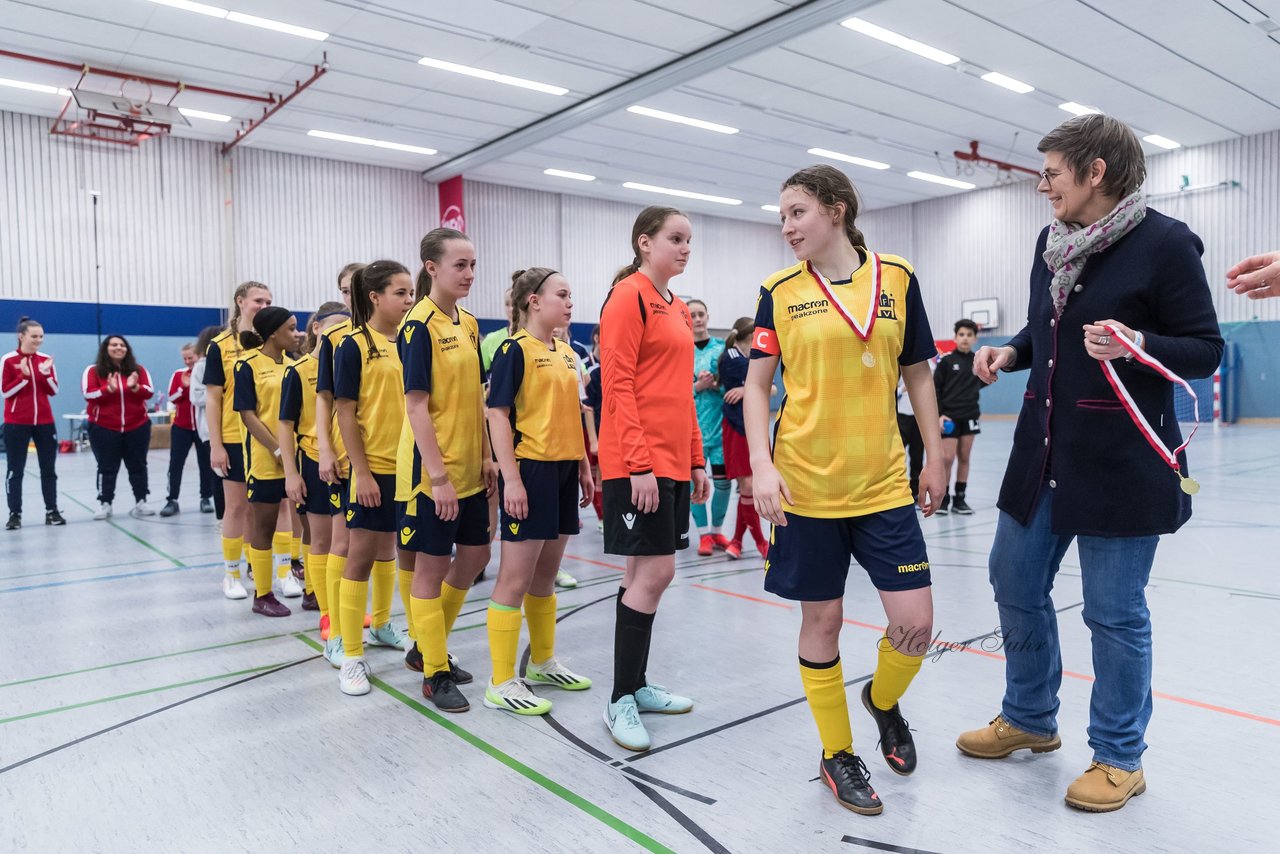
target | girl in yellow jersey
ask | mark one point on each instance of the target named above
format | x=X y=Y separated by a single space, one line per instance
x=366 y=391
x=258 y=376
x=444 y=468
x=226 y=431
x=535 y=420
x=844 y=323
x=299 y=451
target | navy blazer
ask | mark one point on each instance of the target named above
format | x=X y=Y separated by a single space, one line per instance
x=1073 y=434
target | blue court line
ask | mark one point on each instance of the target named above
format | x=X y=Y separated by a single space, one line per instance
x=98 y=578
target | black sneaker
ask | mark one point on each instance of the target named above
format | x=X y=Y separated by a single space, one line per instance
x=269 y=606
x=443 y=691
x=462 y=677
x=53 y=517
x=206 y=505
x=14 y=523
x=298 y=569
x=850 y=781
x=896 y=744
x=309 y=602
x=170 y=508
x=945 y=507
x=960 y=508
x=413 y=659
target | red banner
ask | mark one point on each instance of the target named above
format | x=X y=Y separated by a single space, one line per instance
x=451 y=211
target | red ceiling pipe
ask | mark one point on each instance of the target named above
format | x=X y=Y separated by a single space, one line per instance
x=268 y=112
x=973 y=156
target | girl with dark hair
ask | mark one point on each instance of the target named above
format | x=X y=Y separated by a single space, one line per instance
x=199 y=395
x=116 y=389
x=709 y=400
x=366 y=391
x=732 y=374
x=182 y=436
x=226 y=430
x=535 y=420
x=444 y=468
x=651 y=458
x=844 y=322
x=27 y=381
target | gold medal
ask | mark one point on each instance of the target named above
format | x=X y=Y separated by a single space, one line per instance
x=1189 y=486
x=868 y=359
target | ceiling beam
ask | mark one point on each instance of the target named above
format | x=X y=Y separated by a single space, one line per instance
x=758 y=37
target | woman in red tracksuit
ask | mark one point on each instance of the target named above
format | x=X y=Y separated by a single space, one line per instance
x=182 y=436
x=116 y=389
x=27 y=381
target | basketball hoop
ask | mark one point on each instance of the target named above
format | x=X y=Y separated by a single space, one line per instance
x=137 y=95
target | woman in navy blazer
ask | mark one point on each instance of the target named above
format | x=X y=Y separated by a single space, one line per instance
x=1080 y=467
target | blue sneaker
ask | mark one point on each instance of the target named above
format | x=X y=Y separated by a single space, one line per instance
x=334 y=652
x=388 y=635
x=623 y=720
x=655 y=698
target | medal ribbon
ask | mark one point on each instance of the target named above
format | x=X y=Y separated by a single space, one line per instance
x=863 y=331
x=1117 y=385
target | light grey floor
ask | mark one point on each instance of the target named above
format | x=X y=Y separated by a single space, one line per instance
x=141 y=711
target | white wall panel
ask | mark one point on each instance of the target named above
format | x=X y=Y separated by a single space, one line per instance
x=513 y=229
x=596 y=242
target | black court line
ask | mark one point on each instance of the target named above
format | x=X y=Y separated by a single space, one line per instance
x=683 y=820
x=82 y=739
x=884 y=846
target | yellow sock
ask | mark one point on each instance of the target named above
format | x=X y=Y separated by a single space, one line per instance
x=384 y=590
x=314 y=566
x=451 y=599
x=894 y=672
x=308 y=586
x=231 y=549
x=540 y=614
x=428 y=618
x=504 y=640
x=351 y=597
x=405 y=579
x=824 y=688
x=260 y=561
x=295 y=547
x=280 y=548
x=333 y=569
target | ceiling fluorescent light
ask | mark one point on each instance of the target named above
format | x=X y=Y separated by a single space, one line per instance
x=771 y=208
x=1161 y=141
x=201 y=114
x=890 y=37
x=684 y=194
x=268 y=24
x=198 y=8
x=561 y=173
x=376 y=143
x=684 y=120
x=1008 y=82
x=35 y=87
x=1079 y=109
x=938 y=179
x=848 y=158
x=492 y=76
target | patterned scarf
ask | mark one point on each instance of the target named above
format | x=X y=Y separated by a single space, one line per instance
x=1069 y=246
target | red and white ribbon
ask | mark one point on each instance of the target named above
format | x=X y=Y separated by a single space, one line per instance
x=1144 y=426
x=862 y=330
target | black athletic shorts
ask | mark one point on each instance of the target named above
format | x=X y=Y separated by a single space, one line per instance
x=338 y=496
x=265 y=490
x=962 y=427
x=318 y=496
x=421 y=530
x=627 y=531
x=381 y=518
x=235 y=463
x=553 y=491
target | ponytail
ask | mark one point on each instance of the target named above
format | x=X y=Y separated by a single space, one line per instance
x=370 y=279
x=247 y=339
x=524 y=284
x=649 y=222
x=324 y=312
x=432 y=249
x=742 y=329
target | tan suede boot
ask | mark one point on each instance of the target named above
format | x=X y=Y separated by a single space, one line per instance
x=1104 y=788
x=999 y=738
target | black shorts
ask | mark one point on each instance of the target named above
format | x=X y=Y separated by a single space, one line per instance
x=265 y=490
x=235 y=463
x=627 y=531
x=338 y=496
x=718 y=471
x=381 y=518
x=809 y=558
x=318 y=495
x=552 y=488
x=421 y=530
x=962 y=427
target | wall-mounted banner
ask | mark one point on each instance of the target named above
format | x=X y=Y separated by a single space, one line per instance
x=452 y=214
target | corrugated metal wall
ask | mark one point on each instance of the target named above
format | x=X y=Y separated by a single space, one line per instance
x=512 y=229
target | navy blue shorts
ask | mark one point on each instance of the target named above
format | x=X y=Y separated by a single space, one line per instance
x=235 y=463
x=809 y=558
x=265 y=490
x=552 y=488
x=381 y=518
x=338 y=496
x=421 y=530
x=318 y=493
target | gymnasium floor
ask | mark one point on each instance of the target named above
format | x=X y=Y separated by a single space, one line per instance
x=141 y=711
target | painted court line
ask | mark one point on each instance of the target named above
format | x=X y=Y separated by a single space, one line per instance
x=181 y=567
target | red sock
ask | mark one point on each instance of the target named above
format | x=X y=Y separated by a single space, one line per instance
x=753 y=522
x=746 y=508
x=597 y=501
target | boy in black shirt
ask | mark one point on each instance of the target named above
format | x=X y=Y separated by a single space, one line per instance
x=958 y=410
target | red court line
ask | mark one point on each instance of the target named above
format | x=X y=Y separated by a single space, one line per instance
x=596 y=562
x=1186 y=701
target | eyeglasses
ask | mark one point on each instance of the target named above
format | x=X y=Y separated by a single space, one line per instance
x=1047 y=176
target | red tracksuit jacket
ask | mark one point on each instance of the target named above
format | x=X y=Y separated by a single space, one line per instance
x=180 y=397
x=26 y=395
x=121 y=410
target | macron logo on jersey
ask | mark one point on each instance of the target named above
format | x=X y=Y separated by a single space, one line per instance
x=408 y=334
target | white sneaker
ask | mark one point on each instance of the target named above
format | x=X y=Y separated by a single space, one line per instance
x=552 y=672
x=141 y=509
x=564 y=579
x=388 y=635
x=104 y=511
x=232 y=588
x=333 y=652
x=514 y=696
x=288 y=587
x=354 y=678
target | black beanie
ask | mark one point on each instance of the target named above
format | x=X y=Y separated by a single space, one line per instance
x=269 y=319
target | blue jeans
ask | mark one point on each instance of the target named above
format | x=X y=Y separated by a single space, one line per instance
x=1114 y=573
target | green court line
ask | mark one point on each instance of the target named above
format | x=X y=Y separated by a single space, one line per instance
x=141 y=693
x=130 y=534
x=101 y=566
x=608 y=819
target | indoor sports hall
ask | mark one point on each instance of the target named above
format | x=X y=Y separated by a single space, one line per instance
x=1062 y=298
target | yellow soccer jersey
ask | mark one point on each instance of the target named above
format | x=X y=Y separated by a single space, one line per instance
x=540 y=387
x=329 y=341
x=258 y=379
x=219 y=369
x=441 y=356
x=370 y=375
x=298 y=402
x=836 y=440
